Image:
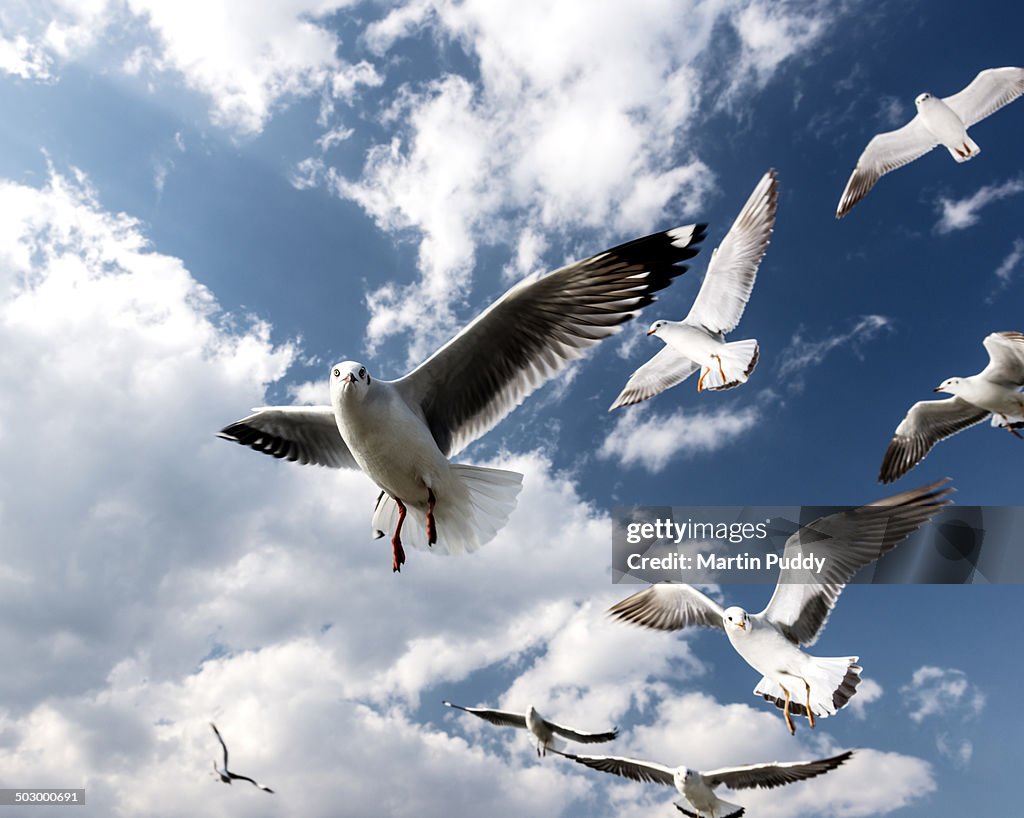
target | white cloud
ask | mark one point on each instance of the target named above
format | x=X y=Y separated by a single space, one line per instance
x=959 y=751
x=1007 y=268
x=937 y=691
x=23 y=59
x=652 y=440
x=801 y=353
x=566 y=128
x=959 y=214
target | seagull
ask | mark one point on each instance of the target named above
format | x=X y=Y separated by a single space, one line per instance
x=698 y=341
x=939 y=121
x=541 y=730
x=226 y=775
x=402 y=433
x=699 y=788
x=994 y=391
x=770 y=641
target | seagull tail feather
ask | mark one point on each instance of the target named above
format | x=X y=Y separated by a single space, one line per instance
x=833 y=682
x=738 y=359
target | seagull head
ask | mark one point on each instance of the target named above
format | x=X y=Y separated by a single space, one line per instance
x=657 y=325
x=920 y=99
x=950 y=385
x=735 y=619
x=349 y=379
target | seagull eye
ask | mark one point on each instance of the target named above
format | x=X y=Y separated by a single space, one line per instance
x=337 y=373
x=362 y=372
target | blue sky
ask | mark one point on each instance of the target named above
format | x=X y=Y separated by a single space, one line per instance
x=207 y=204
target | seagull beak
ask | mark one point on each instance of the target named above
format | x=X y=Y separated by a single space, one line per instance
x=937 y=389
x=741 y=625
x=650 y=332
x=348 y=378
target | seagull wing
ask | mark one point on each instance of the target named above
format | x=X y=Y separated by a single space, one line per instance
x=669 y=607
x=848 y=541
x=307 y=434
x=222 y=744
x=987 y=93
x=252 y=781
x=927 y=422
x=730 y=277
x=665 y=370
x=767 y=776
x=886 y=152
x=536 y=329
x=646 y=771
x=1006 y=359
x=502 y=717
x=583 y=738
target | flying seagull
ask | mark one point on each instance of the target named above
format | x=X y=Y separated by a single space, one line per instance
x=402 y=433
x=939 y=121
x=698 y=341
x=699 y=788
x=994 y=391
x=226 y=775
x=542 y=731
x=770 y=641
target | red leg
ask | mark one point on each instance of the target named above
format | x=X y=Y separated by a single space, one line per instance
x=431 y=527
x=397 y=552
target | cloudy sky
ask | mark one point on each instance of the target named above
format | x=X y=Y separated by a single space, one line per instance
x=207 y=204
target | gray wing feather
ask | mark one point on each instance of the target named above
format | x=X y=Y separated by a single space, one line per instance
x=987 y=93
x=504 y=718
x=729 y=280
x=927 y=422
x=666 y=369
x=535 y=330
x=669 y=607
x=583 y=738
x=303 y=434
x=848 y=541
x=884 y=153
x=767 y=776
x=632 y=768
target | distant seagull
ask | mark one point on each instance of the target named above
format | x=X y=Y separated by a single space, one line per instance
x=541 y=730
x=401 y=433
x=226 y=775
x=698 y=341
x=994 y=391
x=938 y=122
x=699 y=788
x=770 y=640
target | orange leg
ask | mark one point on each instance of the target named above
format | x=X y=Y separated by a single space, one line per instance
x=397 y=552
x=431 y=527
x=785 y=712
x=700 y=381
x=720 y=370
x=810 y=713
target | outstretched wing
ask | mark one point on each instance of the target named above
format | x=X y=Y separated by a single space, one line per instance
x=634 y=769
x=847 y=541
x=306 y=434
x=885 y=153
x=665 y=370
x=252 y=781
x=987 y=93
x=927 y=422
x=583 y=738
x=536 y=329
x=730 y=277
x=767 y=776
x=1006 y=359
x=669 y=607
x=222 y=744
x=502 y=717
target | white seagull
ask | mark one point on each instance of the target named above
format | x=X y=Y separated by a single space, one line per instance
x=699 y=788
x=402 y=433
x=770 y=641
x=994 y=391
x=939 y=121
x=698 y=341
x=542 y=732
x=226 y=775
